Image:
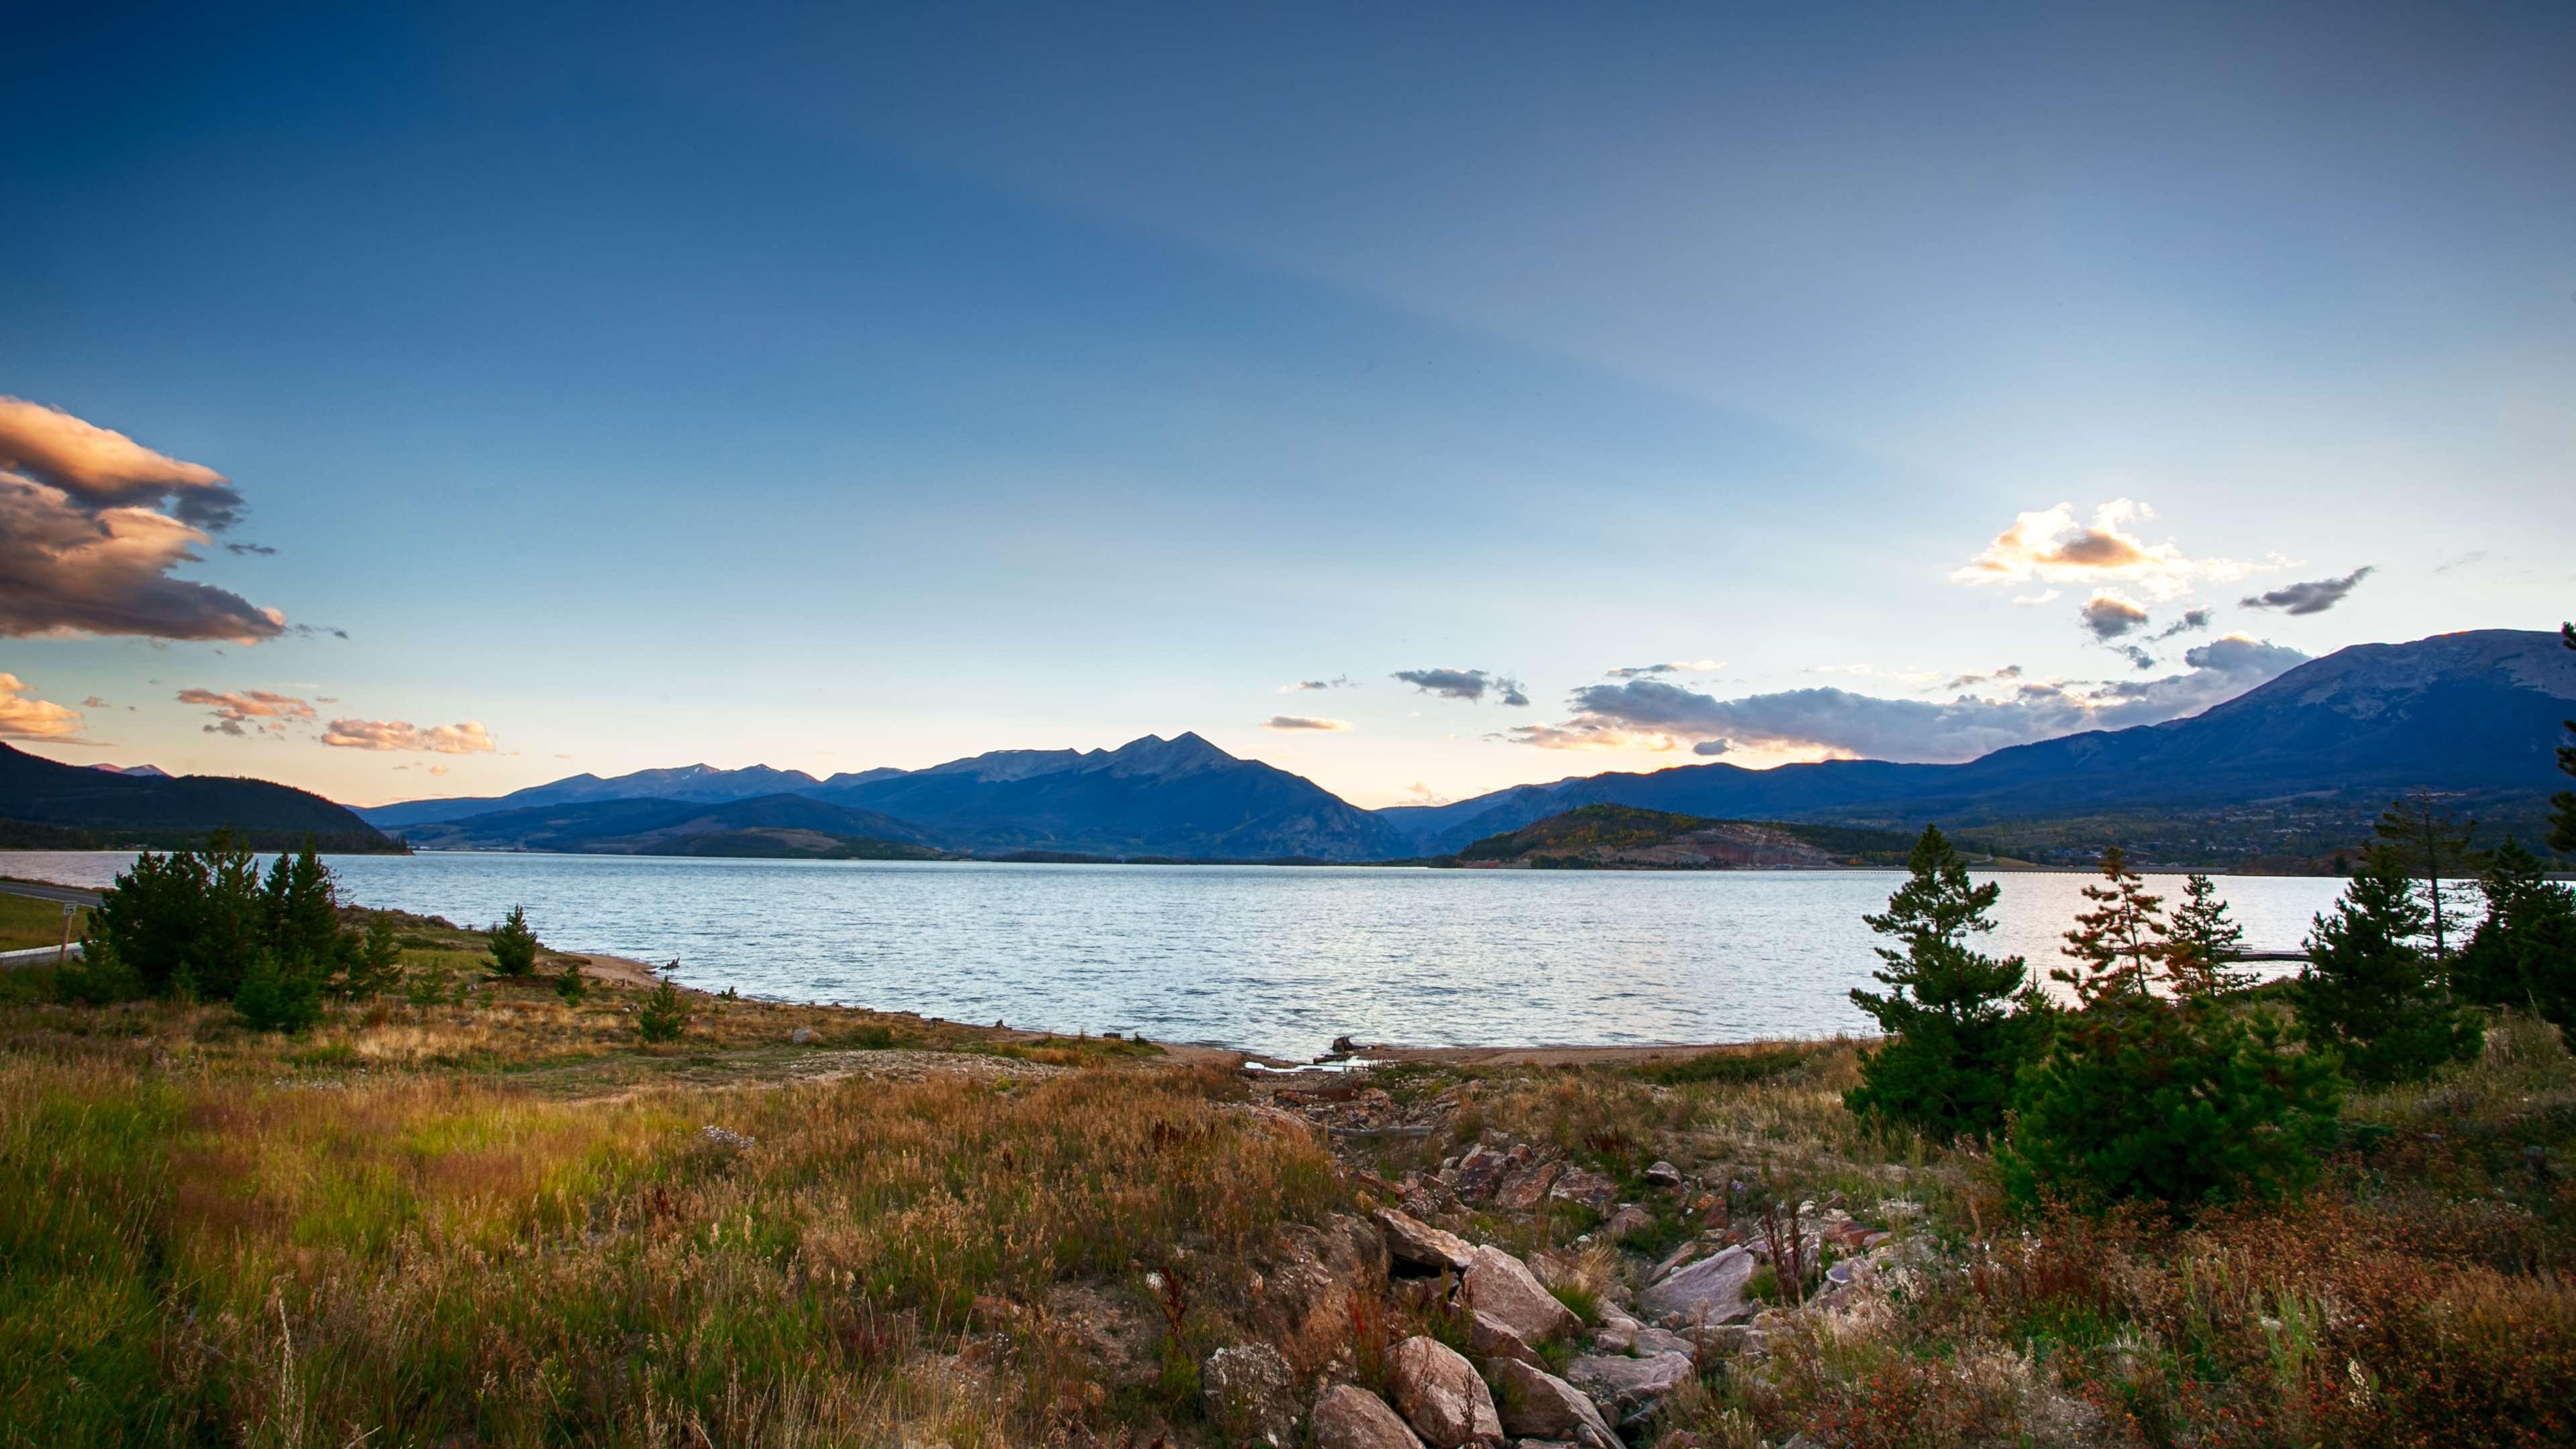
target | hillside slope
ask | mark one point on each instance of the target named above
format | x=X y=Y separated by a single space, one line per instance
x=158 y=809
x=1623 y=837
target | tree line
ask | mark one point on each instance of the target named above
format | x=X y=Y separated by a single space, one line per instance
x=2163 y=1074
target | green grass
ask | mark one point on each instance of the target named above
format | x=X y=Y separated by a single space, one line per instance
x=26 y=921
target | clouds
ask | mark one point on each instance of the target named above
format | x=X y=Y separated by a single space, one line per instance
x=465 y=738
x=24 y=717
x=1678 y=666
x=2313 y=597
x=2049 y=546
x=1303 y=722
x=84 y=549
x=1653 y=715
x=1470 y=685
x=1339 y=681
x=2108 y=615
x=239 y=714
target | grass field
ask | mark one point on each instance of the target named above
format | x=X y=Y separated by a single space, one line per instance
x=495 y=1218
x=26 y=921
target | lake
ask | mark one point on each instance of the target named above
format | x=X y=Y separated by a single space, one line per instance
x=1279 y=959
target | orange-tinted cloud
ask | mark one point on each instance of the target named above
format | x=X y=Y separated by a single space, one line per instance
x=467 y=737
x=23 y=717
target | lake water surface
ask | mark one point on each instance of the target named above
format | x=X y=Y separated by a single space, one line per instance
x=1280 y=959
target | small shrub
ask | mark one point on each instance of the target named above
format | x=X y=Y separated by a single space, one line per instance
x=277 y=996
x=427 y=986
x=569 y=984
x=97 y=977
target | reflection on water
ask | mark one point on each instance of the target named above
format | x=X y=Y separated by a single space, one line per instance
x=1280 y=959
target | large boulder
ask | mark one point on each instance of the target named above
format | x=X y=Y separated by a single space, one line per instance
x=1482 y=1169
x=1629 y=1388
x=1524 y=1189
x=1708 y=1291
x=1591 y=1189
x=1350 y=1417
x=1415 y=1243
x=1543 y=1406
x=1490 y=1338
x=1252 y=1393
x=1441 y=1397
x=1501 y=1285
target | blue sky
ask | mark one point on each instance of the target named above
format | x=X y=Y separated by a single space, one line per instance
x=835 y=388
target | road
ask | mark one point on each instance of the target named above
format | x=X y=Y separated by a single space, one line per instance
x=43 y=892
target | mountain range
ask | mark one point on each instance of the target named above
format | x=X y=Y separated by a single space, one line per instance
x=2475 y=714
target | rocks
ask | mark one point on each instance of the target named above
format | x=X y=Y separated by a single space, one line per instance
x=1525 y=1189
x=1708 y=1291
x=1591 y=1189
x=1544 y=1406
x=1648 y=1342
x=1663 y=1174
x=1629 y=1388
x=1350 y=1417
x=1675 y=1259
x=1493 y=1339
x=1411 y=1241
x=801 y=1036
x=1481 y=1171
x=1441 y=1397
x=1252 y=1393
x=1629 y=1219
x=1501 y=1285
x=715 y=1136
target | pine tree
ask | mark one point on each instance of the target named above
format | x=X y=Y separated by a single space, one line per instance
x=2204 y=940
x=373 y=966
x=2562 y=830
x=2370 y=991
x=665 y=1012
x=2119 y=946
x=514 y=945
x=1954 y=1042
x=278 y=995
x=2434 y=846
x=2523 y=954
x=302 y=909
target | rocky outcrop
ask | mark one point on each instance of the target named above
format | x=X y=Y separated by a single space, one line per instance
x=1417 y=1244
x=1252 y=1394
x=1441 y=1397
x=1501 y=1285
x=1629 y=1388
x=1708 y=1291
x=1591 y=1189
x=1543 y=1406
x=1350 y=1417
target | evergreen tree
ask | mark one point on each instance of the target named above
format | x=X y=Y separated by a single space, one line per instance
x=2204 y=940
x=302 y=909
x=2432 y=845
x=2119 y=946
x=2524 y=953
x=2370 y=991
x=569 y=984
x=665 y=1012
x=373 y=965
x=514 y=945
x=1954 y=1040
x=2562 y=830
x=188 y=923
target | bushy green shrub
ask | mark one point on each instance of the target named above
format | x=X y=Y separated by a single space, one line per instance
x=277 y=995
x=514 y=945
x=1960 y=1025
x=97 y=977
x=2148 y=1099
